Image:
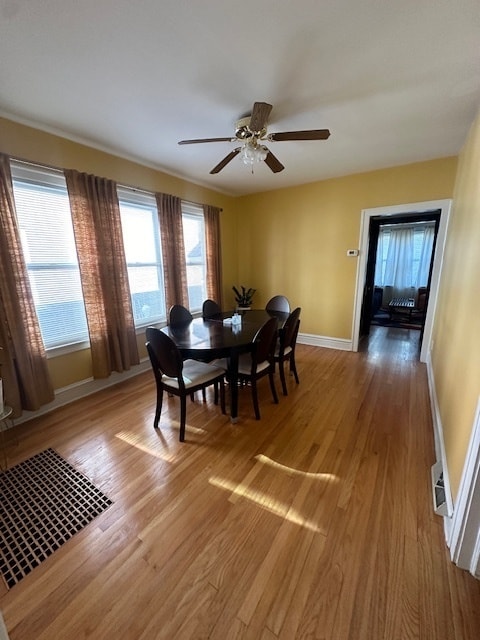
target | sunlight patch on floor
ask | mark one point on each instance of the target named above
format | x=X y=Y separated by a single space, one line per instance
x=266 y=502
x=135 y=440
x=330 y=477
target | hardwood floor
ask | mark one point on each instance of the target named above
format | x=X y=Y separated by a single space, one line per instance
x=314 y=522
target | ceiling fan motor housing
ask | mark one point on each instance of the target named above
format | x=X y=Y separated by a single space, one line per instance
x=243 y=131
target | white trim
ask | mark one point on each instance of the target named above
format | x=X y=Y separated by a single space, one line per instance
x=475 y=564
x=465 y=534
x=84 y=388
x=440 y=445
x=3 y=629
x=323 y=341
x=418 y=207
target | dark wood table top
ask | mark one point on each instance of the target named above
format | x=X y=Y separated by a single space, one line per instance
x=213 y=338
x=203 y=339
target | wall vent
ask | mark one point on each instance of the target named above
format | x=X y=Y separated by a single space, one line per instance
x=438 y=487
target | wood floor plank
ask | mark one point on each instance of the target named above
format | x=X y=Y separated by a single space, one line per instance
x=315 y=522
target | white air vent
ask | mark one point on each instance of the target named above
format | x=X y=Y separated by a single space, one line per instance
x=438 y=487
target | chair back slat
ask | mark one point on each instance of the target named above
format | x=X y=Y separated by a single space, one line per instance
x=290 y=329
x=264 y=342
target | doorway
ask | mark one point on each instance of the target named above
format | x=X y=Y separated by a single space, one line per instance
x=387 y=281
x=421 y=210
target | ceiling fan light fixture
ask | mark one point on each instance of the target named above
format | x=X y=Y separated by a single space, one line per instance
x=252 y=153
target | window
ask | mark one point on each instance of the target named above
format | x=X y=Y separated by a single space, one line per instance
x=411 y=254
x=195 y=255
x=141 y=238
x=44 y=218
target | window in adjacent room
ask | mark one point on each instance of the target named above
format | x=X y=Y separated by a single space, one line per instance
x=141 y=238
x=44 y=218
x=195 y=254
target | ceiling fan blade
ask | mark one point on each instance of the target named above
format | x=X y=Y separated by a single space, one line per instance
x=312 y=134
x=274 y=163
x=259 y=117
x=226 y=160
x=199 y=140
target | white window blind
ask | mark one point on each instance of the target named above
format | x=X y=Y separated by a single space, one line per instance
x=141 y=238
x=195 y=254
x=43 y=212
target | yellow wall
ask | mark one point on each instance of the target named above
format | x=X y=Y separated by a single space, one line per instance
x=291 y=241
x=294 y=241
x=456 y=337
x=30 y=144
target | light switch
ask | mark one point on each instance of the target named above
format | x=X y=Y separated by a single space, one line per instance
x=352 y=252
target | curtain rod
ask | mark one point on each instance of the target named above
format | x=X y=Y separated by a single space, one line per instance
x=125 y=186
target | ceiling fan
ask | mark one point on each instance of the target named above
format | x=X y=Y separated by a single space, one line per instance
x=252 y=132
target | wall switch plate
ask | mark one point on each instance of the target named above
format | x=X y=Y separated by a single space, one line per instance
x=352 y=252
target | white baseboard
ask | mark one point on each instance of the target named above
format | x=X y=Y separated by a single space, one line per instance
x=323 y=341
x=440 y=448
x=84 y=388
x=3 y=629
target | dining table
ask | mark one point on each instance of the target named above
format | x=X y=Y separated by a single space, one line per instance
x=218 y=337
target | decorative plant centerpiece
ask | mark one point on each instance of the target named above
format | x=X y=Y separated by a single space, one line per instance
x=243 y=298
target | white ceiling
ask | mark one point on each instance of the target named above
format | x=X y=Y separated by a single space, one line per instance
x=395 y=81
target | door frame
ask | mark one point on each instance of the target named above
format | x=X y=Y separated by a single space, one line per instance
x=415 y=207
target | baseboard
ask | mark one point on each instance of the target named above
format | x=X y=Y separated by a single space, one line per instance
x=3 y=629
x=440 y=449
x=323 y=341
x=84 y=388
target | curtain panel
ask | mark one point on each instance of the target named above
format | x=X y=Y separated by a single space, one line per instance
x=173 y=250
x=27 y=382
x=103 y=270
x=396 y=265
x=214 y=253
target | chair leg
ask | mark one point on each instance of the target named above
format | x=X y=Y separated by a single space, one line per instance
x=215 y=398
x=282 y=378
x=204 y=394
x=255 y=399
x=158 y=409
x=272 y=386
x=222 y=395
x=293 y=367
x=183 y=417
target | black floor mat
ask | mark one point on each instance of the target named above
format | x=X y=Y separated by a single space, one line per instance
x=44 y=501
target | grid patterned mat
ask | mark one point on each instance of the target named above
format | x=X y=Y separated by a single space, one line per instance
x=44 y=501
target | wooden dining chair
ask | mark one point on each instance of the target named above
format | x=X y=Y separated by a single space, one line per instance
x=179 y=316
x=285 y=347
x=259 y=363
x=210 y=309
x=278 y=303
x=179 y=377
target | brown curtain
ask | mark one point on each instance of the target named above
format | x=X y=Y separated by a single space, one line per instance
x=214 y=253
x=103 y=271
x=26 y=379
x=173 y=250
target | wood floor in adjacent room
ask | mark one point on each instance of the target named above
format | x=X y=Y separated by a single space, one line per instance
x=314 y=522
